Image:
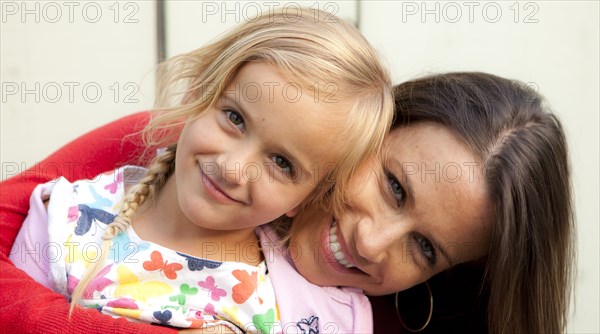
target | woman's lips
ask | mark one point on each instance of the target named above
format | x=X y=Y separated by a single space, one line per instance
x=336 y=252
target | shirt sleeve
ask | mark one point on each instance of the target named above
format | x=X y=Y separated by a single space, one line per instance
x=30 y=249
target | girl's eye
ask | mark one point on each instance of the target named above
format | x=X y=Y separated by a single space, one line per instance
x=284 y=164
x=397 y=190
x=236 y=119
x=427 y=250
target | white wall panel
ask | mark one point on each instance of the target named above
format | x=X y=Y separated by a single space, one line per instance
x=191 y=24
x=68 y=67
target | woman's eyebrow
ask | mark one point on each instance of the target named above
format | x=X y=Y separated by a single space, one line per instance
x=409 y=189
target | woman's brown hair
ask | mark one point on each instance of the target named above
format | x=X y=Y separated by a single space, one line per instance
x=527 y=275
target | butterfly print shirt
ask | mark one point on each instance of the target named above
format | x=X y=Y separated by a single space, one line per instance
x=139 y=280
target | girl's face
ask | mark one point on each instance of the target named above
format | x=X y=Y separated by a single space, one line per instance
x=256 y=154
x=418 y=209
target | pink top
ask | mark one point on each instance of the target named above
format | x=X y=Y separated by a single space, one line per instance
x=312 y=308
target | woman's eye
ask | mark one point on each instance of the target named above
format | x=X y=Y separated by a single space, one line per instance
x=397 y=190
x=284 y=164
x=236 y=119
x=427 y=250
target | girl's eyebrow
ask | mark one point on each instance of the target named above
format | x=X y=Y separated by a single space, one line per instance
x=247 y=116
x=239 y=107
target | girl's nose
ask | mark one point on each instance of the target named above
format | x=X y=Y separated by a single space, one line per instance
x=233 y=165
x=231 y=173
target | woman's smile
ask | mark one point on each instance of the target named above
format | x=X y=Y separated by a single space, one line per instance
x=338 y=247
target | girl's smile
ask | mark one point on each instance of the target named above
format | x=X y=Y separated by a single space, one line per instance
x=252 y=156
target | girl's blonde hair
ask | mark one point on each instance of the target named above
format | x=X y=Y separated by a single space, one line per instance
x=311 y=47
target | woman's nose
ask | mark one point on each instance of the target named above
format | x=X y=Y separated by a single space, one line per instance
x=375 y=238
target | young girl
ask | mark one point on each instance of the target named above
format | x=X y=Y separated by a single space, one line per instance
x=272 y=116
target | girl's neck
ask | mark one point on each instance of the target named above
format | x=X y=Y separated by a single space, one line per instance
x=161 y=221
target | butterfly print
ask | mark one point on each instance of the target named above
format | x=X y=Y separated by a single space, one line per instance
x=163 y=316
x=230 y=312
x=209 y=285
x=88 y=216
x=126 y=303
x=248 y=283
x=210 y=309
x=195 y=323
x=125 y=250
x=264 y=322
x=99 y=201
x=112 y=187
x=185 y=290
x=97 y=284
x=309 y=326
x=195 y=263
x=130 y=286
x=85 y=256
x=73 y=214
x=156 y=263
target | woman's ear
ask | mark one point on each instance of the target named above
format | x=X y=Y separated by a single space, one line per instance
x=293 y=212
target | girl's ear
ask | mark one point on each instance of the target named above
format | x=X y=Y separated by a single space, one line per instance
x=293 y=212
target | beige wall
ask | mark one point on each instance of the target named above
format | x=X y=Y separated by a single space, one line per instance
x=553 y=45
x=68 y=67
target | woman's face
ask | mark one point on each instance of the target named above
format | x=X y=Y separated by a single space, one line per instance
x=418 y=209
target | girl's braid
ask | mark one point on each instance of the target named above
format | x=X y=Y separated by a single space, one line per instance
x=160 y=169
x=158 y=172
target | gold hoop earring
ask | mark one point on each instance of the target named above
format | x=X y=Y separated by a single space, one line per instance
x=428 y=317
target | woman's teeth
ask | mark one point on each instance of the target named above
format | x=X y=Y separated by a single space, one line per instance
x=336 y=248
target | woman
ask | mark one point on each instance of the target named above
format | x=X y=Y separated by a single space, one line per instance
x=474 y=171
x=474 y=176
